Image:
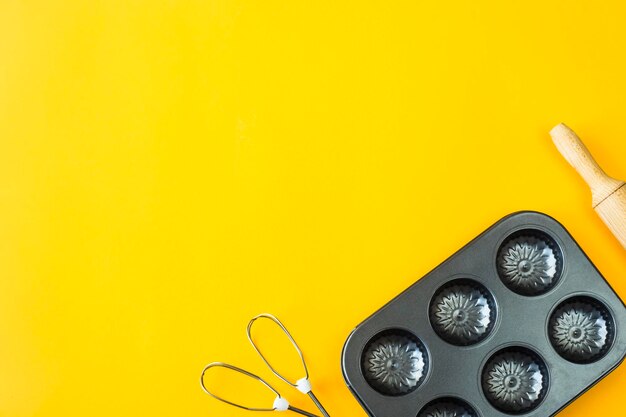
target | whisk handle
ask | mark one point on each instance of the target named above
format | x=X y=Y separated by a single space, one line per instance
x=318 y=404
x=301 y=412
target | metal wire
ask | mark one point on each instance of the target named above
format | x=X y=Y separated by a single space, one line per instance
x=296 y=347
x=293 y=342
x=242 y=371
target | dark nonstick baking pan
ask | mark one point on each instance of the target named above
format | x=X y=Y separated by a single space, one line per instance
x=518 y=322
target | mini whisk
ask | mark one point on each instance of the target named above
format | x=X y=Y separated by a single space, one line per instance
x=280 y=403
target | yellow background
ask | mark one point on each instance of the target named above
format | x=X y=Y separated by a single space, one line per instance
x=169 y=169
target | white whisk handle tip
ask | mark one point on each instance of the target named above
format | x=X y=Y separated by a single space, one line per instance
x=281 y=404
x=303 y=385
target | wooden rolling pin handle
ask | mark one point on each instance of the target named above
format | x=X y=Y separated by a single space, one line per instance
x=577 y=154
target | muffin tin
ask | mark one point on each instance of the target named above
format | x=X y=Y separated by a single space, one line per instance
x=518 y=322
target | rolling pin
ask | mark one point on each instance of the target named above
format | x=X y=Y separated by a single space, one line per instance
x=608 y=194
